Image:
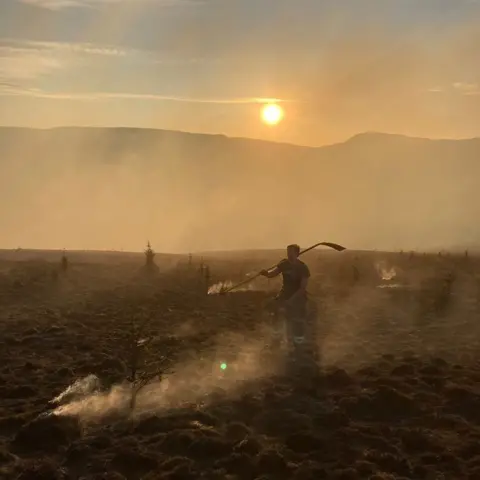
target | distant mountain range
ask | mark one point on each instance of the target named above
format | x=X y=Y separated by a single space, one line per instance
x=114 y=187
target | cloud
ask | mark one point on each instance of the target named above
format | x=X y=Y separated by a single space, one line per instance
x=14 y=90
x=13 y=46
x=26 y=59
x=61 y=4
x=466 y=88
x=436 y=90
x=24 y=64
x=458 y=88
x=22 y=60
x=54 y=4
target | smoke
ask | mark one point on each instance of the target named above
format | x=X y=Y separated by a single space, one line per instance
x=221 y=287
x=348 y=327
x=190 y=383
x=80 y=388
x=92 y=192
x=94 y=407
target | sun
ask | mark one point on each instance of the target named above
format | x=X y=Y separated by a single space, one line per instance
x=272 y=114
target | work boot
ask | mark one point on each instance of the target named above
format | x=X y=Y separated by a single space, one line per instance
x=301 y=357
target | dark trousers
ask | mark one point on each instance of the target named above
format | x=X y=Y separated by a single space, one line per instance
x=299 y=328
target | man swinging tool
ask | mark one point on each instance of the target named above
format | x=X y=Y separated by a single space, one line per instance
x=293 y=300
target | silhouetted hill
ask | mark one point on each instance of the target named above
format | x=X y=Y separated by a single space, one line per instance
x=104 y=187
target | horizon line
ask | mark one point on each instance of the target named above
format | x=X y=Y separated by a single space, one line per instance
x=166 y=130
x=431 y=250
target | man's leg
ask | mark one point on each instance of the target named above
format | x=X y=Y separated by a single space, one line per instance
x=300 y=335
x=311 y=316
x=295 y=326
x=276 y=321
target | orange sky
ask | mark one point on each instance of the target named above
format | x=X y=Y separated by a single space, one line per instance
x=340 y=67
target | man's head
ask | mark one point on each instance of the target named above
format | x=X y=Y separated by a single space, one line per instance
x=292 y=252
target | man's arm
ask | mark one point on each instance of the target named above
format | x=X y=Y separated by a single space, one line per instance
x=271 y=273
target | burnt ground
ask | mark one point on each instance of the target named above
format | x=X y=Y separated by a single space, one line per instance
x=397 y=395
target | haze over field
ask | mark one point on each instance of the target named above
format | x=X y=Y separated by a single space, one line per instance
x=112 y=188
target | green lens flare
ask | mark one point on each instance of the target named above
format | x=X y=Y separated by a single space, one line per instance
x=223 y=366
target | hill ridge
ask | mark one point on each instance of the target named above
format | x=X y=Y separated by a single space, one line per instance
x=360 y=137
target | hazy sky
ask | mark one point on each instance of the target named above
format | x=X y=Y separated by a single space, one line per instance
x=340 y=66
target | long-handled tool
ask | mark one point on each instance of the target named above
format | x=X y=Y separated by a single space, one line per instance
x=335 y=246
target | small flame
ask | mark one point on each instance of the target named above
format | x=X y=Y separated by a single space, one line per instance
x=389 y=274
x=385 y=272
x=221 y=287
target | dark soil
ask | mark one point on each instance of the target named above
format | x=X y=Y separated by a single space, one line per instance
x=397 y=394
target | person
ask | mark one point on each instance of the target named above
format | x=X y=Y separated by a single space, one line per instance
x=293 y=299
